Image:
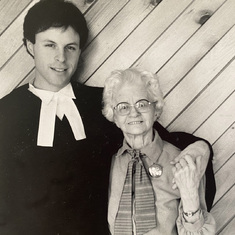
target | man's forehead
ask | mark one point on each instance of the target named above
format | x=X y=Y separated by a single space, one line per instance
x=59 y=34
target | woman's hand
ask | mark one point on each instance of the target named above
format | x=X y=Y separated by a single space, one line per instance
x=195 y=150
x=187 y=178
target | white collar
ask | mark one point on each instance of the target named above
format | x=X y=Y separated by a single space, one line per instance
x=57 y=104
x=47 y=96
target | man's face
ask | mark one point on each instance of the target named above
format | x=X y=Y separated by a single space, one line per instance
x=56 y=53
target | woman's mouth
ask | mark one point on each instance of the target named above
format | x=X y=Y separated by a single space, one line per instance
x=134 y=123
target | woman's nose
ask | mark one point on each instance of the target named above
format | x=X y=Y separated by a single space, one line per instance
x=134 y=111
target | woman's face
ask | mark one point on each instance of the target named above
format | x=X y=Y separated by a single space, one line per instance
x=134 y=123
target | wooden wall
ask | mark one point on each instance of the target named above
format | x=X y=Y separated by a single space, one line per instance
x=190 y=44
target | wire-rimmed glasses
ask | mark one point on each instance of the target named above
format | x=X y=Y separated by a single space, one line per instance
x=142 y=106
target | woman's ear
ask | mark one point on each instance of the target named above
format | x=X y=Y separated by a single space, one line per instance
x=156 y=116
x=115 y=121
x=29 y=47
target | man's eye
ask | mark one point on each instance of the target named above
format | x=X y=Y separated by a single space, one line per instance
x=71 y=48
x=50 y=45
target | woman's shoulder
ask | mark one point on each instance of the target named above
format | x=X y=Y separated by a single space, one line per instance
x=171 y=150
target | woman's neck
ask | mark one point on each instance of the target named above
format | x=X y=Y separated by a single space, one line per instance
x=139 y=141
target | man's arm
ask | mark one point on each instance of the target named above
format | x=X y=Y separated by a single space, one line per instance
x=193 y=146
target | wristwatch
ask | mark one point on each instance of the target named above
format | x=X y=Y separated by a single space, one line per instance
x=191 y=213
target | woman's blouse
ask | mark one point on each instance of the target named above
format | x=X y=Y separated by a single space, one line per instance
x=169 y=213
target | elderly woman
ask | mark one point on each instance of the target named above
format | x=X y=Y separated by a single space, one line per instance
x=142 y=199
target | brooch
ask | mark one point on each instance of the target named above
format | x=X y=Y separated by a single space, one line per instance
x=155 y=170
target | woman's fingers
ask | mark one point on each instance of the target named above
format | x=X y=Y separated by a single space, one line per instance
x=185 y=172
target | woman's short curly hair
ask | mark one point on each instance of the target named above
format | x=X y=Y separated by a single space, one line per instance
x=120 y=77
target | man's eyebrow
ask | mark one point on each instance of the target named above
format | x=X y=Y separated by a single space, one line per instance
x=73 y=43
x=69 y=44
x=48 y=40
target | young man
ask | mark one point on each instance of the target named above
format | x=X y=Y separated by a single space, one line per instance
x=55 y=145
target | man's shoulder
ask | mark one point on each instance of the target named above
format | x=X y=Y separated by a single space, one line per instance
x=14 y=95
x=86 y=90
x=88 y=96
x=19 y=99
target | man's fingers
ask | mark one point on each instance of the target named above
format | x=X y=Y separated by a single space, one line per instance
x=183 y=162
x=198 y=163
x=189 y=161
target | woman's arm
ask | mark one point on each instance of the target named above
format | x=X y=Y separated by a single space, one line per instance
x=193 y=216
x=193 y=146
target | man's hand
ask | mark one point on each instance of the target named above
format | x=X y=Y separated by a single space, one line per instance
x=195 y=150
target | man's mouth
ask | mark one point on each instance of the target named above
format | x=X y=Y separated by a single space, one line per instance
x=59 y=69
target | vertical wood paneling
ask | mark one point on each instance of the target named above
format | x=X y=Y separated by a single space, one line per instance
x=223 y=211
x=15 y=71
x=218 y=121
x=205 y=104
x=192 y=51
x=199 y=77
x=229 y=229
x=9 y=10
x=112 y=36
x=224 y=178
x=139 y=40
x=224 y=148
x=169 y=43
x=11 y=40
x=101 y=14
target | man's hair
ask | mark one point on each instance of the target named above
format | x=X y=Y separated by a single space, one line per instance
x=54 y=13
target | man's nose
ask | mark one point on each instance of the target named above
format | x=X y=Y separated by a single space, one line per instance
x=60 y=55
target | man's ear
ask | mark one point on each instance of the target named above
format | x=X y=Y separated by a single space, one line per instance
x=29 y=47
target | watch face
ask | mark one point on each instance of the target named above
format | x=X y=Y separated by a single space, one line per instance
x=190 y=214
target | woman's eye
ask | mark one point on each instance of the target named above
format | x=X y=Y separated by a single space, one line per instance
x=123 y=107
x=141 y=105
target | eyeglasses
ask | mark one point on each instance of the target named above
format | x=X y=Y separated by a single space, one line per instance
x=124 y=108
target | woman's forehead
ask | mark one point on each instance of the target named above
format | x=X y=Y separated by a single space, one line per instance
x=128 y=92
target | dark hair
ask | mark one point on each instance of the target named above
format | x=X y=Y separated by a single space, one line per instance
x=54 y=13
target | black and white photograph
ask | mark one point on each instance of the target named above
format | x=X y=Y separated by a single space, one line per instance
x=117 y=117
